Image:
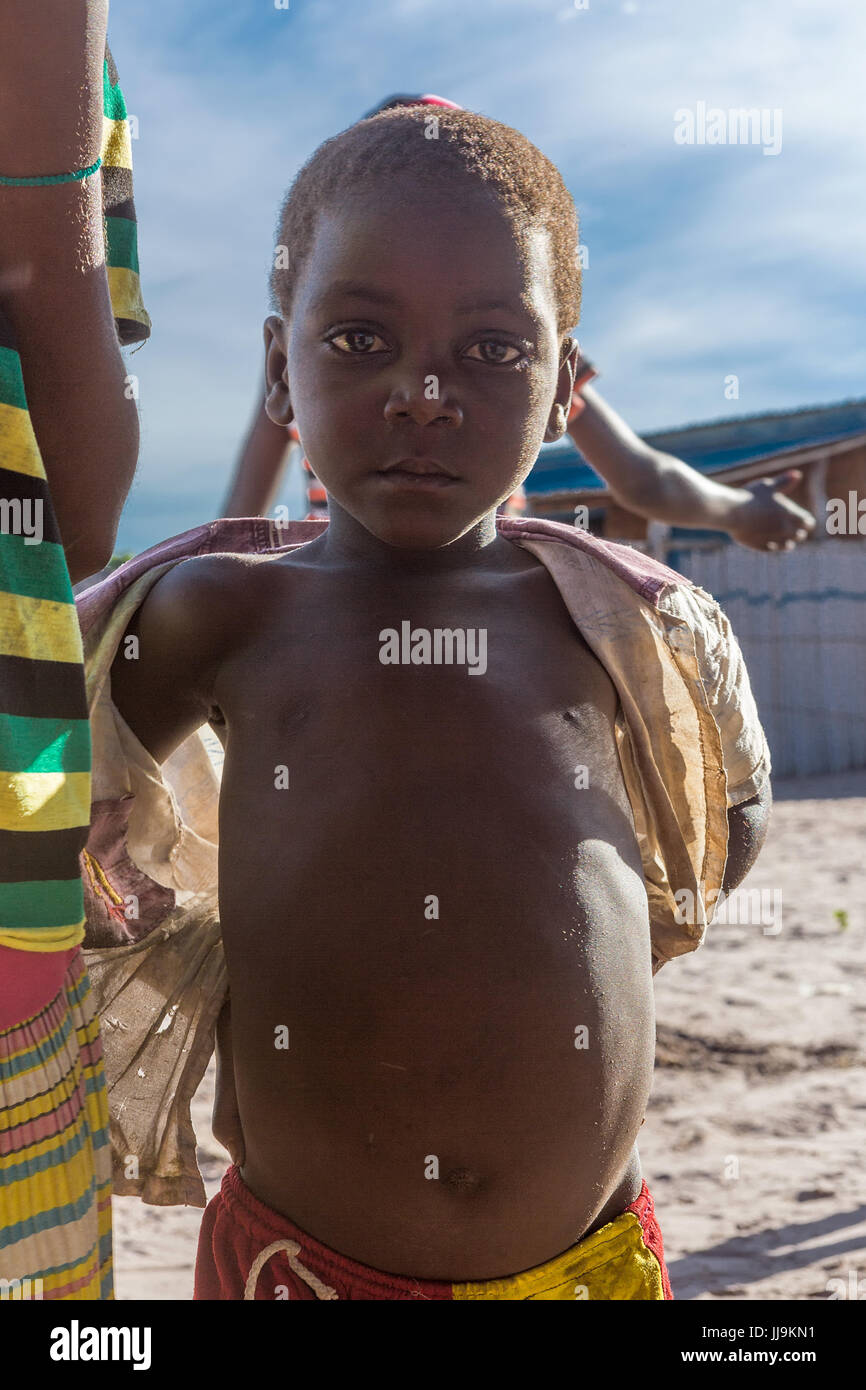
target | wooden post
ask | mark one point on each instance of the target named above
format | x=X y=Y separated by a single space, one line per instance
x=817 y=491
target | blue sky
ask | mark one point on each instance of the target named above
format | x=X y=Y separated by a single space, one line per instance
x=705 y=260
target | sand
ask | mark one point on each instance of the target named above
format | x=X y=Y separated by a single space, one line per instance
x=754 y=1138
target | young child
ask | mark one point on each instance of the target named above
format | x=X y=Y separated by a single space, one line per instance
x=471 y=763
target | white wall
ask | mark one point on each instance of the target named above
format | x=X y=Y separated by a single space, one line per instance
x=801 y=621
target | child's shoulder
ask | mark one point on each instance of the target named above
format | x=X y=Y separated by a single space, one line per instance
x=196 y=615
x=233 y=570
x=201 y=601
x=202 y=579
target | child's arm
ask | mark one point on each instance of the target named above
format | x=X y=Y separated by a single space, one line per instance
x=164 y=693
x=664 y=488
x=162 y=683
x=748 y=824
x=53 y=281
x=259 y=468
x=225 y=1118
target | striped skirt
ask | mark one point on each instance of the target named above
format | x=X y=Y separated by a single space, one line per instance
x=55 y=1152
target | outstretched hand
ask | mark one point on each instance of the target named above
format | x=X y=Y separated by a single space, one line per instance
x=768 y=519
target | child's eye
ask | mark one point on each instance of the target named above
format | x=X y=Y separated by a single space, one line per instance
x=358 y=342
x=496 y=356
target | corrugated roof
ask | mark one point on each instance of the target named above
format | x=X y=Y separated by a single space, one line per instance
x=712 y=445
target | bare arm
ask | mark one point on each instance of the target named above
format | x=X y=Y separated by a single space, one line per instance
x=259 y=468
x=664 y=488
x=164 y=691
x=162 y=683
x=747 y=830
x=53 y=281
x=226 y=1120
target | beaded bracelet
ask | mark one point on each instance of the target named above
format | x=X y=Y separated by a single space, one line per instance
x=43 y=180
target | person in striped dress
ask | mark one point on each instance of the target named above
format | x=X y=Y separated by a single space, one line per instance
x=68 y=449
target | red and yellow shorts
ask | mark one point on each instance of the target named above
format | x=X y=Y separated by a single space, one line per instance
x=247 y=1251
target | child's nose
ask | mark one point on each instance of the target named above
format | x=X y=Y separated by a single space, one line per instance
x=423 y=401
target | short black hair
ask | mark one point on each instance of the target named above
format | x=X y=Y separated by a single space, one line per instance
x=386 y=147
x=399 y=99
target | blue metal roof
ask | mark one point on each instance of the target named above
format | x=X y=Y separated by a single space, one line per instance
x=717 y=444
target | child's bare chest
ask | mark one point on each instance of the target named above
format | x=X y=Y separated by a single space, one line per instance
x=429 y=875
x=419 y=709
x=394 y=749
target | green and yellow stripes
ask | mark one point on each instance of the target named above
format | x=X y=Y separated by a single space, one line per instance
x=37 y=612
x=124 y=285
x=11 y=380
x=113 y=104
x=41 y=909
x=44 y=774
x=121 y=243
x=38 y=629
x=34 y=801
x=31 y=746
x=34 y=570
x=116 y=144
x=18 y=448
x=131 y=317
x=129 y=311
x=43 y=745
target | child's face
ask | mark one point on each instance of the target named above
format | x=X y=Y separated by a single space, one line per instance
x=421 y=329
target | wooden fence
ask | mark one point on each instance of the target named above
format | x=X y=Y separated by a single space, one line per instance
x=800 y=618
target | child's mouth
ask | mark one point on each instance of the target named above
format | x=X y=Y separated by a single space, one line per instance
x=424 y=475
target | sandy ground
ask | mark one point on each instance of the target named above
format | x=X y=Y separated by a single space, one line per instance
x=754 y=1138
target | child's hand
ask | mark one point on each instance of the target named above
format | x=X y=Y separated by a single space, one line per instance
x=51 y=59
x=768 y=519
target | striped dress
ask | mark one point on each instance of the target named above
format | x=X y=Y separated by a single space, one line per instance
x=55 y=1167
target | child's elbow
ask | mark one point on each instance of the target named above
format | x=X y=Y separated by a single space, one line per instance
x=90 y=518
x=85 y=559
x=90 y=548
x=748 y=824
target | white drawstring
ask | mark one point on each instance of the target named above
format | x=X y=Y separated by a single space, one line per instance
x=293 y=1250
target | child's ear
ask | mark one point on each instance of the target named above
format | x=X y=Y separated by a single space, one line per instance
x=278 y=404
x=557 y=423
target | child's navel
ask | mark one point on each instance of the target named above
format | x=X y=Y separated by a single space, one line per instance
x=462 y=1180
